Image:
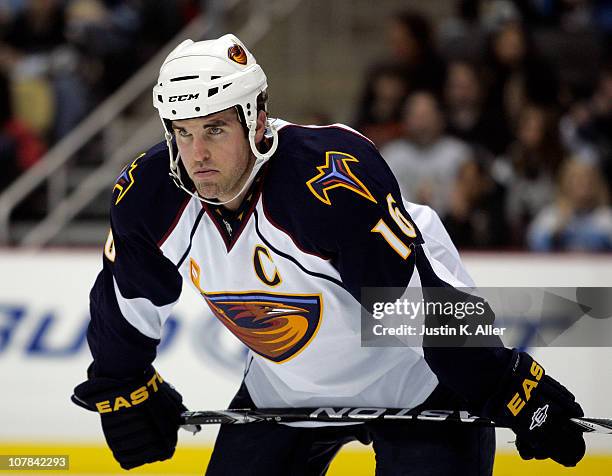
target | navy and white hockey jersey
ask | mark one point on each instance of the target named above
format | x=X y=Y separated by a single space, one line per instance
x=283 y=273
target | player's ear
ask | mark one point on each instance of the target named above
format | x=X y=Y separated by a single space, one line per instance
x=261 y=126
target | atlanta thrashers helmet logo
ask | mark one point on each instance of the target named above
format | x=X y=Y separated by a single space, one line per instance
x=237 y=54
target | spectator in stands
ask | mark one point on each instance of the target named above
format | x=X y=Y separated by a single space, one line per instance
x=162 y=19
x=35 y=54
x=8 y=149
x=19 y=147
x=587 y=127
x=569 y=15
x=412 y=64
x=102 y=32
x=575 y=129
x=424 y=160
x=82 y=50
x=580 y=219
x=517 y=75
x=534 y=160
x=381 y=107
x=113 y=39
x=411 y=41
x=466 y=115
x=109 y=29
x=476 y=211
x=36 y=28
x=462 y=35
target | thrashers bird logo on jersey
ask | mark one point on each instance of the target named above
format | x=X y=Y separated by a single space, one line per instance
x=336 y=173
x=275 y=326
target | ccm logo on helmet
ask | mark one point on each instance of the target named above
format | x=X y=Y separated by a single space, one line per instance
x=183 y=97
x=135 y=398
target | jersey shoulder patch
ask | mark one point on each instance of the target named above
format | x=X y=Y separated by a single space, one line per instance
x=324 y=181
x=336 y=172
x=144 y=198
x=126 y=180
x=331 y=164
x=143 y=175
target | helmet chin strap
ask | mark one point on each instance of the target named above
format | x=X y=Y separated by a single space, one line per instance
x=260 y=159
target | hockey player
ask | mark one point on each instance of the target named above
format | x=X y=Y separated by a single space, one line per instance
x=279 y=227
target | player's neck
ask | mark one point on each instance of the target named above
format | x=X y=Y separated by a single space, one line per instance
x=234 y=204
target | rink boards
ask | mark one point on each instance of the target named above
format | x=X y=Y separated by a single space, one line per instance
x=43 y=355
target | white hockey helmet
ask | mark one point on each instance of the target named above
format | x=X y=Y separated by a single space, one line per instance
x=204 y=77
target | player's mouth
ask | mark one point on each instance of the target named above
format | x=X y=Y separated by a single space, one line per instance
x=205 y=173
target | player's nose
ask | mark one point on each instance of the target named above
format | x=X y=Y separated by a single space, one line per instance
x=201 y=150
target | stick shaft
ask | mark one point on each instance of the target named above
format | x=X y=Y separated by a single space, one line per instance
x=360 y=414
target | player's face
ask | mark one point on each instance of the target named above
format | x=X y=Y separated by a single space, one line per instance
x=216 y=154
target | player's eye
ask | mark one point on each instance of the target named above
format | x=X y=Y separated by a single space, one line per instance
x=215 y=131
x=182 y=132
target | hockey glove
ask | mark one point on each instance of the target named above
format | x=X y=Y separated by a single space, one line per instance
x=140 y=417
x=538 y=409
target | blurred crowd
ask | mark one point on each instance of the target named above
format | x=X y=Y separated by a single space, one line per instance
x=60 y=58
x=500 y=119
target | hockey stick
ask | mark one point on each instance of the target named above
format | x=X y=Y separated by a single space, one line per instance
x=356 y=415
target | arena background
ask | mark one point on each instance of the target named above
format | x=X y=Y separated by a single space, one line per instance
x=83 y=97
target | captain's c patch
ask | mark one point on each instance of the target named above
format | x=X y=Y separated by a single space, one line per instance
x=336 y=173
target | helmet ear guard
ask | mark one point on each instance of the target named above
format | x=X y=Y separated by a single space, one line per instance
x=205 y=77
